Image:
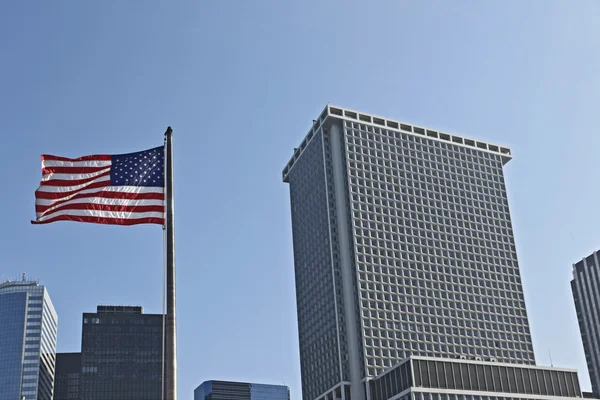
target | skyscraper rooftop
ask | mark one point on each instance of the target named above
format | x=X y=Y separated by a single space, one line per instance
x=331 y=111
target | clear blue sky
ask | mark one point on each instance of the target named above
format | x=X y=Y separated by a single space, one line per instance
x=240 y=82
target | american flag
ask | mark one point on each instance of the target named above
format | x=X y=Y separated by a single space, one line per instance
x=124 y=189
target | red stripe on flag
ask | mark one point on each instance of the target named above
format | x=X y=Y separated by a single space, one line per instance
x=97 y=157
x=72 y=170
x=108 y=207
x=99 y=220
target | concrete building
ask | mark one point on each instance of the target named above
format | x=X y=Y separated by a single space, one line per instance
x=586 y=294
x=425 y=378
x=225 y=390
x=28 y=326
x=67 y=378
x=403 y=246
x=121 y=354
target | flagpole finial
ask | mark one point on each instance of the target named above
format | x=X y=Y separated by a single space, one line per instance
x=169 y=131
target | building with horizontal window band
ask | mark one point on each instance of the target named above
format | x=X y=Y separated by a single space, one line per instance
x=424 y=378
x=403 y=247
x=228 y=390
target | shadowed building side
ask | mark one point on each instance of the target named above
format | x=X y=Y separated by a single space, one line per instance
x=586 y=295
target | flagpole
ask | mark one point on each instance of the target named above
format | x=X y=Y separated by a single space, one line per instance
x=170 y=267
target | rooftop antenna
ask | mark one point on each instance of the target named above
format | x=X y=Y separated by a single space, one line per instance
x=24 y=277
x=550 y=354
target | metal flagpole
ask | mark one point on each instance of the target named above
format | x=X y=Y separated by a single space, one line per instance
x=170 y=234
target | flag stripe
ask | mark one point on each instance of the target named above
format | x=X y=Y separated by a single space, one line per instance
x=107 y=193
x=98 y=201
x=72 y=170
x=102 y=191
x=101 y=207
x=105 y=214
x=43 y=207
x=75 y=182
x=66 y=190
x=76 y=164
x=96 y=157
x=101 y=220
x=71 y=176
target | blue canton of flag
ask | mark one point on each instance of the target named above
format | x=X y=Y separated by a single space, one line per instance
x=145 y=168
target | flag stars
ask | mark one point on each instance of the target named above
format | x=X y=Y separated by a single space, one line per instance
x=140 y=169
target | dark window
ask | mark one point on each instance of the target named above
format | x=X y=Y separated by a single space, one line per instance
x=527 y=381
x=441 y=374
x=473 y=376
x=504 y=380
x=450 y=382
x=555 y=383
x=496 y=378
x=489 y=387
x=572 y=385
x=388 y=385
x=407 y=379
x=548 y=383
x=433 y=376
x=541 y=382
x=535 y=386
x=418 y=379
x=519 y=380
x=480 y=378
x=464 y=371
x=562 y=380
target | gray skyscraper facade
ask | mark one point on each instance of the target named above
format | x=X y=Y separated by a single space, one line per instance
x=28 y=328
x=586 y=294
x=403 y=246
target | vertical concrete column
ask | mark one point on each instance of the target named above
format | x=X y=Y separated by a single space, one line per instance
x=345 y=256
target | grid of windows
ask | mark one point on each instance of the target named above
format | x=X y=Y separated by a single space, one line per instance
x=316 y=291
x=28 y=326
x=392 y=383
x=586 y=294
x=67 y=377
x=434 y=263
x=12 y=325
x=269 y=392
x=434 y=250
x=121 y=356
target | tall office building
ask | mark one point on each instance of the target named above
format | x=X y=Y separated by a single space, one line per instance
x=67 y=377
x=586 y=293
x=121 y=354
x=225 y=390
x=28 y=325
x=403 y=245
